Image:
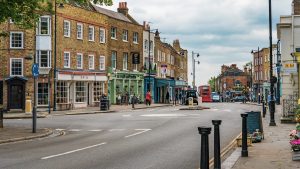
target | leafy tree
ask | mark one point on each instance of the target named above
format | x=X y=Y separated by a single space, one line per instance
x=25 y=13
x=212 y=83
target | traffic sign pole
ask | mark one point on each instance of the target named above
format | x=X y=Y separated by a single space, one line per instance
x=35 y=74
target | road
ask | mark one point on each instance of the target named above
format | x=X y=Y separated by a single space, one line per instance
x=158 y=138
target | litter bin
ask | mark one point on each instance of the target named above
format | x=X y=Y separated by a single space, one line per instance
x=104 y=103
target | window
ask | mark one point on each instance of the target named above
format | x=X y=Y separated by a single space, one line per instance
x=159 y=55
x=80 y=92
x=79 y=31
x=67 y=28
x=125 y=61
x=44 y=58
x=16 y=40
x=67 y=60
x=44 y=25
x=151 y=46
x=172 y=60
x=135 y=67
x=135 y=37
x=79 y=61
x=102 y=63
x=102 y=35
x=113 y=32
x=91 y=33
x=163 y=57
x=98 y=90
x=62 y=92
x=125 y=35
x=16 y=67
x=91 y=62
x=43 y=93
x=114 y=59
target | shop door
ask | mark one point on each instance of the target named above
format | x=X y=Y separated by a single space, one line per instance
x=16 y=97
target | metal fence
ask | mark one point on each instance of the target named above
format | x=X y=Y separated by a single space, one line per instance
x=289 y=104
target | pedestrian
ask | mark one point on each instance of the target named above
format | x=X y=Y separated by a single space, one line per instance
x=148 y=98
x=176 y=97
x=180 y=98
x=167 y=97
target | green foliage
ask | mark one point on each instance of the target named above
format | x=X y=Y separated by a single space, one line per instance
x=212 y=83
x=25 y=13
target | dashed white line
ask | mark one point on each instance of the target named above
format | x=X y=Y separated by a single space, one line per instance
x=116 y=129
x=73 y=151
x=140 y=132
x=95 y=130
x=60 y=129
x=75 y=130
x=126 y=115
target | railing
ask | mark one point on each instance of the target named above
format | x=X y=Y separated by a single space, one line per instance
x=289 y=104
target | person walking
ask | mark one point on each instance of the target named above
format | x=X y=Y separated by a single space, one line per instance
x=167 y=97
x=180 y=98
x=148 y=98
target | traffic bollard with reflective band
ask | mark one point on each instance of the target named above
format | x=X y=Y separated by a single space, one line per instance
x=244 y=135
x=204 y=160
x=217 y=154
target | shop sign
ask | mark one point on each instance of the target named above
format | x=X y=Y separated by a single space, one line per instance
x=289 y=67
x=135 y=58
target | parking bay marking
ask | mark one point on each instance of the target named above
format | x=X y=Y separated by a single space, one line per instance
x=137 y=133
x=73 y=151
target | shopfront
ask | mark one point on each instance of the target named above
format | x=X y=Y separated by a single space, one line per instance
x=80 y=89
x=162 y=87
x=125 y=84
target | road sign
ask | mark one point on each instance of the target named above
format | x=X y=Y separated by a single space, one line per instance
x=135 y=58
x=35 y=70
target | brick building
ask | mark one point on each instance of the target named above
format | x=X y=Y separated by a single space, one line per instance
x=125 y=39
x=232 y=80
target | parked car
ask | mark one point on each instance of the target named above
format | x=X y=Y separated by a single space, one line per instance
x=216 y=98
x=193 y=94
x=239 y=99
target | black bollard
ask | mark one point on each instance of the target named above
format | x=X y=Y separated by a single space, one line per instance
x=244 y=135
x=217 y=154
x=132 y=101
x=204 y=161
x=1 y=117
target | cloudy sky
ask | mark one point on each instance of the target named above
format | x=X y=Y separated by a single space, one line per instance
x=221 y=31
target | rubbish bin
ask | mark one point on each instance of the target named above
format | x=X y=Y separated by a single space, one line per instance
x=104 y=103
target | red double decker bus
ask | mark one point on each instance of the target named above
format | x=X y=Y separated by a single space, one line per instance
x=205 y=93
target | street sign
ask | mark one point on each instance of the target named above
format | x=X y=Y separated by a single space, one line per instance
x=135 y=58
x=289 y=67
x=35 y=70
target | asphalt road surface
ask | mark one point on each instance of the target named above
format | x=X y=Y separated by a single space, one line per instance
x=158 y=138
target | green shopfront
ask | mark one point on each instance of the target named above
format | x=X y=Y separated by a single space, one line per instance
x=122 y=83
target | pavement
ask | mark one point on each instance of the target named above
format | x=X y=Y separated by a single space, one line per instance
x=18 y=134
x=274 y=152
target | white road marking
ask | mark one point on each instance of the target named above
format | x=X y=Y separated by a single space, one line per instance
x=60 y=129
x=73 y=151
x=75 y=130
x=116 y=129
x=141 y=131
x=95 y=130
x=227 y=110
x=126 y=115
x=214 y=109
x=163 y=115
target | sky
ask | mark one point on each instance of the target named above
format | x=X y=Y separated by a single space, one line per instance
x=221 y=31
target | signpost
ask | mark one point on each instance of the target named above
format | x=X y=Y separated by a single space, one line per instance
x=35 y=74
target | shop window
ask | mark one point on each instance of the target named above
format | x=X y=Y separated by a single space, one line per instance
x=62 y=92
x=80 y=92
x=43 y=94
x=98 y=90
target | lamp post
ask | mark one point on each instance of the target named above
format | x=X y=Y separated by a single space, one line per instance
x=278 y=66
x=272 y=101
x=55 y=48
x=149 y=52
x=250 y=85
x=193 y=63
x=258 y=77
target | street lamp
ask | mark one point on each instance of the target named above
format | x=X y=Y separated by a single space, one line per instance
x=258 y=77
x=193 y=63
x=55 y=48
x=278 y=66
x=149 y=51
x=250 y=85
x=272 y=101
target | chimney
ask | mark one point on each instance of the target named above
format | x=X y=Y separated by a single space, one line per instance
x=123 y=8
x=157 y=34
x=233 y=66
x=296 y=7
x=176 y=45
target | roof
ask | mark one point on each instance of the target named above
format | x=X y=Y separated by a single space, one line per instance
x=85 y=5
x=112 y=14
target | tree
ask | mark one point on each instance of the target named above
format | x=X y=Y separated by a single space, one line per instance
x=25 y=13
x=212 y=83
